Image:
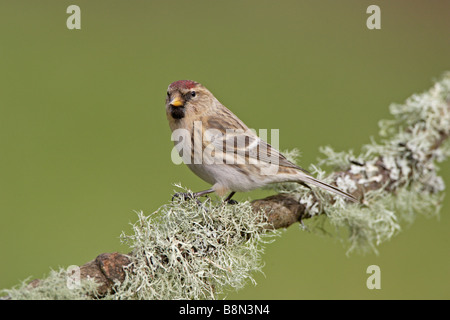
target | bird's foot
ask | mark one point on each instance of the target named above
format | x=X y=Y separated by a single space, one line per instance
x=183 y=196
x=231 y=201
x=187 y=196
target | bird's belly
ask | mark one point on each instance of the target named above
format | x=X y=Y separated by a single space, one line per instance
x=231 y=177
x=203 y=172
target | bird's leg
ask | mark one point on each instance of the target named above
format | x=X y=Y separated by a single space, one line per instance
x=202 y=193
x=228 y=199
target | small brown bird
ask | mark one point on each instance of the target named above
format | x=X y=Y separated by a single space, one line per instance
x=219 y=148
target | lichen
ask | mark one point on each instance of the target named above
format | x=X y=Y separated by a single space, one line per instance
x=54 y=287
x=189 y=251
x=407 y=153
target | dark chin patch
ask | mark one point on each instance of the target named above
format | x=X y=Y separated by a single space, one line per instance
x=177 y=113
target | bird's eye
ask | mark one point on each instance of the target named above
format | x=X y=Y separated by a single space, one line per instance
x=193 y=93
x=168 y=94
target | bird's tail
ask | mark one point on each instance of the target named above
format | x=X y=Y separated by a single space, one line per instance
x=323 y=185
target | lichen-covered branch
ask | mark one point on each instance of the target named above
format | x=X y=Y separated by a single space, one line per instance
x=187 y=251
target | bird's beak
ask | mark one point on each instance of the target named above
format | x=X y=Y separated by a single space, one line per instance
x=176 y=102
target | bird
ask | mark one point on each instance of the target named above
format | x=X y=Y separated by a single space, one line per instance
x=220 y=149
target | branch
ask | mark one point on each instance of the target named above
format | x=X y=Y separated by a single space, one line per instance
x=205 y=252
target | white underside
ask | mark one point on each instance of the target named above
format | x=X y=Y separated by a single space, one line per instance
x=226 y=177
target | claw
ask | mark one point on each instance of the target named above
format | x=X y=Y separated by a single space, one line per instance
x=188 y=196
x=184 y=195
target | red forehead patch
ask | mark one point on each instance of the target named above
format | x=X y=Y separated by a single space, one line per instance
x=184 y=84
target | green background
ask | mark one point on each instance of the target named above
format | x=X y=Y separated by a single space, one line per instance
x=84 y=140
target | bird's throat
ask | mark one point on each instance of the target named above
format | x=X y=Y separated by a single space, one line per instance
x=177 y=113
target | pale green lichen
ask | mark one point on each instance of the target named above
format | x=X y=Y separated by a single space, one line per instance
x=58 y=285
x=190 y=251
x=407 y=152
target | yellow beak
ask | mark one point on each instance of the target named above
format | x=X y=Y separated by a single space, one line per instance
x=176 y=102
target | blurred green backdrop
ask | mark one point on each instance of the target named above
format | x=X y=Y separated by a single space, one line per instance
x=84 y=140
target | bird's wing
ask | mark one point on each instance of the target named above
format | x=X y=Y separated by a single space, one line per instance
x=247 y=147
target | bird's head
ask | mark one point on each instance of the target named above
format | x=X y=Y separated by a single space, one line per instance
x=186 y=98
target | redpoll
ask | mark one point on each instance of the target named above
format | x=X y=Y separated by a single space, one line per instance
x=219 y=148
